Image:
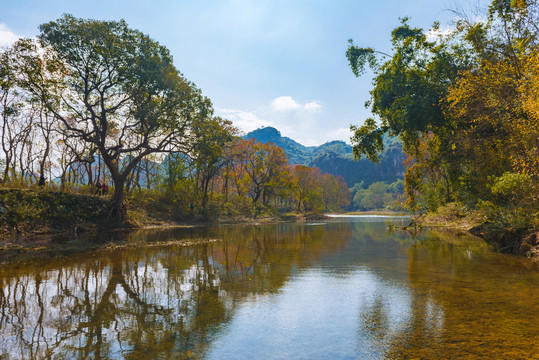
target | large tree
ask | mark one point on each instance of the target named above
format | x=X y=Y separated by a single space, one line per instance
x=114 y=88
x=455 y=101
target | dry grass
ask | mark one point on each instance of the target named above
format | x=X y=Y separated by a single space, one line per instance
x=452 y=216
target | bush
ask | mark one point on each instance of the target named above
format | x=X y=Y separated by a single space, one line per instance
x=512 y=205
x=512 y=187
x=506 y=217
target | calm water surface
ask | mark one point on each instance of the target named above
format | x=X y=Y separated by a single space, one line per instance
x=342 y=289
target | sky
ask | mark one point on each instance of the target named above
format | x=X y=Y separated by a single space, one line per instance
x=277 y=63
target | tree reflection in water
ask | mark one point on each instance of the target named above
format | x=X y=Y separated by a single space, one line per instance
x=150 y=302
x=341 y=290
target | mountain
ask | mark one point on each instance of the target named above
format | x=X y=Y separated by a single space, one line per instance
x=337 y=157
x=297 y=153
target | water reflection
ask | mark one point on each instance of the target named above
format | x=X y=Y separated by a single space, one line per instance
x=148 y=302
x=337 y=290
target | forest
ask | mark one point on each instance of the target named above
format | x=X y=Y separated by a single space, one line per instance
x=464 y=101
x=92 y=102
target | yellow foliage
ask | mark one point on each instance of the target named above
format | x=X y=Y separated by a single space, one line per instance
x=499 y=104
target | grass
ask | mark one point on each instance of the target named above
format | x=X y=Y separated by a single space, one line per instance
x=452 y=216
x=36 y=212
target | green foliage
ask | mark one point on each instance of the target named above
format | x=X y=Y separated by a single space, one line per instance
x=37 y=211
x=379 y=196
x=397 y=187
x=176 y=169
x=356 y=187
x=513 y=187
x=513 y=205
x=465 y=110
x=212 y=136
x=408 y=89
x=358 y=58
x=506 y=217
x=368 y=140
x=333 y=147
x=371 y=198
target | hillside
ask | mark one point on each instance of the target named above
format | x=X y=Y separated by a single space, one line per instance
x=297 y=153
x=337 y=158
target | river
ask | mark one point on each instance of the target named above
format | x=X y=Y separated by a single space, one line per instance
x=344 y=288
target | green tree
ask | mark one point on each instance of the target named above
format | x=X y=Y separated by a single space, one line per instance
x=454 y=102
x=213 y=136
x=114 y=88
x=407 y=98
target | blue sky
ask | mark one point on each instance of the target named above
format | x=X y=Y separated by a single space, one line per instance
x=261 y=62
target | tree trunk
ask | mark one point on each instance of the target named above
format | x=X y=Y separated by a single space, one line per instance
x=118 y=202
x=205 y=183
x=226 y=184
x=6 y=169
x=257 y=196
x=43 y=162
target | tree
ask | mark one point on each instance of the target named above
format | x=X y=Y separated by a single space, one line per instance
x=409 y=89
x=213 y=136
x=17 y=118
x=266 y=170
x=114 y=88
x=335 y=192
x=308 y=187
x=455 y=102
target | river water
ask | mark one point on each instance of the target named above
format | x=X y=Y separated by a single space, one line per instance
x=338 y=289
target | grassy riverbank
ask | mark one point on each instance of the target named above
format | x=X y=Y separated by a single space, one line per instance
x=523 y=241
x=31 y=212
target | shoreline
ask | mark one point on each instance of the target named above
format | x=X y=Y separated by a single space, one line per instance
x=522 y=242
x=42 y=235
x=25 y=247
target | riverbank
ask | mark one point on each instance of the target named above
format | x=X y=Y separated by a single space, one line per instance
x=516 y=241
x=31 y=213
x=29 y=218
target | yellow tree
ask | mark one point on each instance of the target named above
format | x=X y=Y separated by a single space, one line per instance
x=530 y=126
x=266 y=169
x=307 y=187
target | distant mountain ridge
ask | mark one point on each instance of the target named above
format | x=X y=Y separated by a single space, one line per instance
x=297 y=153
x=337 y=158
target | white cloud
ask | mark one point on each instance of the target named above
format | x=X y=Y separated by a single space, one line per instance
x=313 y=105
x=244 y=120
x=7 y=37
x=302 y=122
x=343 y=134
x=287 y=103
